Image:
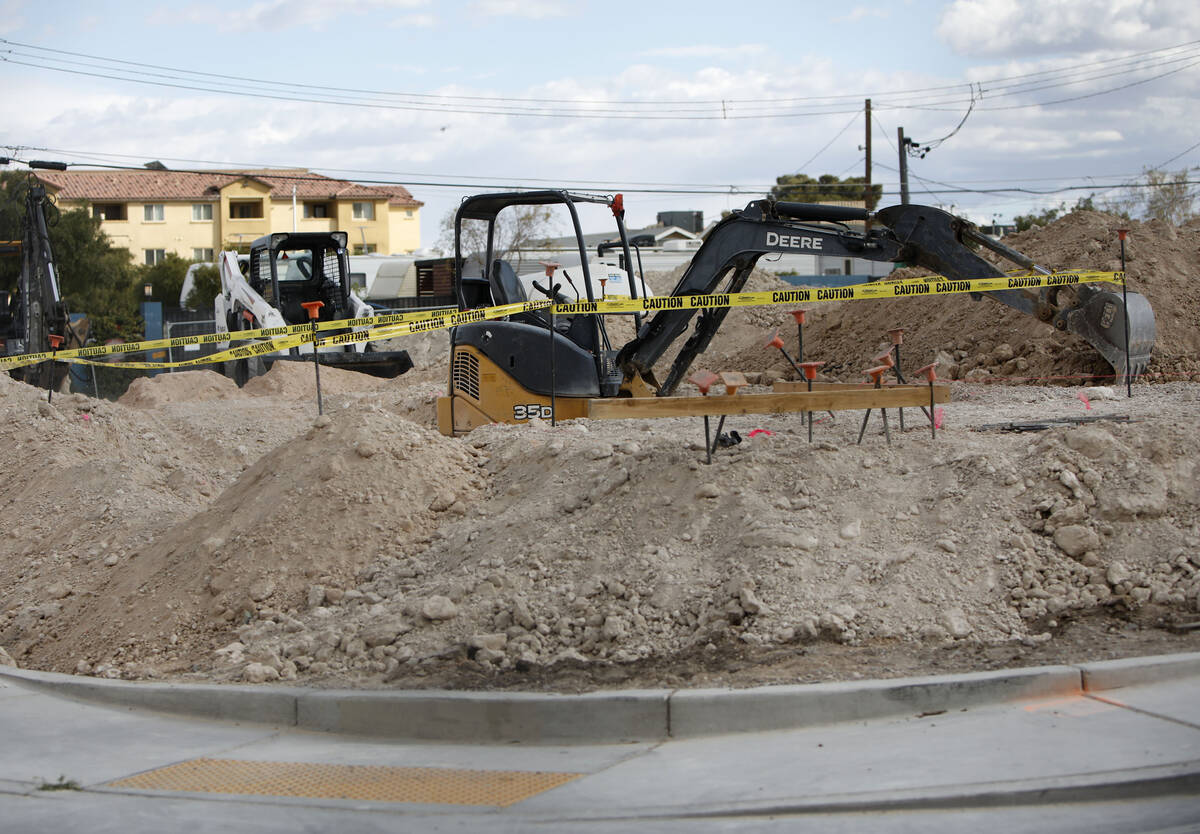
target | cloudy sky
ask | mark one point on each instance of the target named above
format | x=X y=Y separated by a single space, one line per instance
x=695 y=105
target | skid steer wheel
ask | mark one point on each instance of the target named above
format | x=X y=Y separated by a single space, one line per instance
x=241 y=372
x=237 y=369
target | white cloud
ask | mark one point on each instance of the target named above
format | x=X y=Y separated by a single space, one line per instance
x=708 y=51
x=533 y=9
x=1013 y=27
x=11 y=17
x=423 y=21
x=274 y=15
x=861 y=13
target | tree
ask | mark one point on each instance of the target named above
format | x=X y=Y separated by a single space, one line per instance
x=165 y=279
x=1045 y=218
x=94 y=277
x=518 y=229
x=1168 y=197
x=801 y=188
x=206 y=286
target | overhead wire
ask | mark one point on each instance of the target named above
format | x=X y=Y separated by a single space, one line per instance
x=825 y=147
x=1086 y=66
x=748 y=190
x=929 y=98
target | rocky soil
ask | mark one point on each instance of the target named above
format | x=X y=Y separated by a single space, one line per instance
x=193 y=530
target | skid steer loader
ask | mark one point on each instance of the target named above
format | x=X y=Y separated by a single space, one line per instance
x=285 y=270
x=532 y=366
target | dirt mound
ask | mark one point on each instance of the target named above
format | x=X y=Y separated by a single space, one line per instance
x=973 y=537
x=182 y=386
x=313 y=511
x=296 y=380
x=1162 y=263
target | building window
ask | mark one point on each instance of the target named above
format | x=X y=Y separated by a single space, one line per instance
x=312 y=210
x=245 y=209
x=155 y=256
x=364 y=211
x=201 y=212
x=108 y=211
x=408 y=213
x=365 y=248
x=152 y=212
x=202 y=254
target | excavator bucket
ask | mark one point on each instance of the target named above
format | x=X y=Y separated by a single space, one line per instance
x=1100 y=318
x=933 y=238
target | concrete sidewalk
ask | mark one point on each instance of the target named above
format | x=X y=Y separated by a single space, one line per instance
x=1119 y=750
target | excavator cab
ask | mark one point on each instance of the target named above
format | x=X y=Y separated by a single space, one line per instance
x=549 y=365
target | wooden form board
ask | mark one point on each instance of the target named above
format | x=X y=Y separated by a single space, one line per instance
x=789 y=386
x=840 y=398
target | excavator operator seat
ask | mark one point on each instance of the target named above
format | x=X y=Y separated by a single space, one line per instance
x=506 y=288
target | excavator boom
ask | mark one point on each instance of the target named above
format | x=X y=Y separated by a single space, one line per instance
x=911 y=234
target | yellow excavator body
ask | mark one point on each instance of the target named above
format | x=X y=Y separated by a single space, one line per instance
x=481 y=393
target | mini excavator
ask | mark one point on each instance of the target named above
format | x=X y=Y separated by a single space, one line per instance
x=532 y=364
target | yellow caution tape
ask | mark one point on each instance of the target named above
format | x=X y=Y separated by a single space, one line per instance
x=907 y=288
x=281 y=338
x=392 y=325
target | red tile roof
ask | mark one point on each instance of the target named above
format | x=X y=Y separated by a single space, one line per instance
x=196 y=186
x=102 y=186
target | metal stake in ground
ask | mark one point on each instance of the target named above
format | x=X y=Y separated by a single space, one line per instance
x=897 y=336
x=551 y=293
x=55 y=343
x=777 y=342
x=704 y=380
x=314 y=310
x=875 y=375
x=810 y=373
x=1125 y=299
x=799 y=316
x=930 y=373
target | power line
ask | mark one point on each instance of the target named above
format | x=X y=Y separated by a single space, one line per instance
x=1020 y=79
x=1176 y=156
x=502 y=183
x=930 y=98
x=825 y=147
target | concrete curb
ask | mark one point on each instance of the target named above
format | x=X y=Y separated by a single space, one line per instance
x=603 y=717
x=1134 y=671
x=710 y=711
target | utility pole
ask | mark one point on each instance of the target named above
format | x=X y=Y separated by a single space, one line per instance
x=903 y=142
x=867 y=201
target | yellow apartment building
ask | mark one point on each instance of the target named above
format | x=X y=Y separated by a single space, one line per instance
x=197 y=214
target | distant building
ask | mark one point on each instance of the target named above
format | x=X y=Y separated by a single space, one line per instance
x=998 y=230
x=689 y=221
x=197 y=214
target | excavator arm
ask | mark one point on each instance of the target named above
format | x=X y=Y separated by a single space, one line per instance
x=907 y=233
x=37 y=309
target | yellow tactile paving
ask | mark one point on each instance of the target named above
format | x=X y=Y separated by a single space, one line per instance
x=446 y=786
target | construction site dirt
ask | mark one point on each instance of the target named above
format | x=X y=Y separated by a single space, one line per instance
x=194 y=530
